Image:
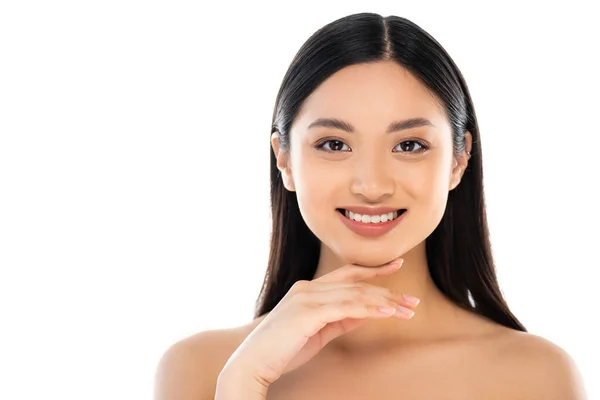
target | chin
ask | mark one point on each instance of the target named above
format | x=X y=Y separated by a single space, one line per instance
x=369 y=258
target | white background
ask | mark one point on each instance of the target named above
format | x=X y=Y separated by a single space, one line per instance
x=134 y=203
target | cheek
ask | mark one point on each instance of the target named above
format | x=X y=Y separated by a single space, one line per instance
x=316 y=187
x=313 y=192
x=435 y=190
x=425 y=191
x=424 y=181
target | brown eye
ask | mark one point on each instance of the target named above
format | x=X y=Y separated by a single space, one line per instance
x=409 y=145
x=333 y=146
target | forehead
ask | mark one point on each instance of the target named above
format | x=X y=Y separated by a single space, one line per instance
x=370 y=95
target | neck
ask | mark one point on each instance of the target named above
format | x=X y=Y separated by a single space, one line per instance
x=435 y=316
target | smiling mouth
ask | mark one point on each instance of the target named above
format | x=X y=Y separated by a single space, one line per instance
x=371 y=219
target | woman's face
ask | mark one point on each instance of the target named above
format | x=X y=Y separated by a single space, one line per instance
x=363 y=160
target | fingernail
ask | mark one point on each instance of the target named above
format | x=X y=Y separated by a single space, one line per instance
x=387 y=310
x=398 y=262
x=412 y=300
x=406 y=311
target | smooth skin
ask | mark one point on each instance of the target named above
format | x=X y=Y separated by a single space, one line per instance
x=326 y=339
x=311 y=315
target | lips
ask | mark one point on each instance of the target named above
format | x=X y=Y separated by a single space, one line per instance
x=369 y=229
x=370 y=212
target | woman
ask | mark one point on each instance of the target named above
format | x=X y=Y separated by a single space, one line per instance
x=381 y=282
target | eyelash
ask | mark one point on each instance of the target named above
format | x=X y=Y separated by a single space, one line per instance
x=321 y=144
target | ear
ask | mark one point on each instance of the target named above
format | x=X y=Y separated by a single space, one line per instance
x=283 y=162
x=460 y=163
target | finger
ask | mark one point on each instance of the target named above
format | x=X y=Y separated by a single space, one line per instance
x=353 y=272
x=335 y=329
x=394 y=295
x=353 y=299
x=314 y=319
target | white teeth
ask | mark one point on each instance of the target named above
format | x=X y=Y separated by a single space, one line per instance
x=371 y=219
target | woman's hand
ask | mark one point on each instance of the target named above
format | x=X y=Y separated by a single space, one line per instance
x=309 y=316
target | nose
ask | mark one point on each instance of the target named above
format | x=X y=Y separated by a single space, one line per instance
x=372 y=179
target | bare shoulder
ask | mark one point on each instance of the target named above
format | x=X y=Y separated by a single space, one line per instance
x=190 y=367
x=540 y=369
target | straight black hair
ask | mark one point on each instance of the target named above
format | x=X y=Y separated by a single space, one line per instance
x=458 y=251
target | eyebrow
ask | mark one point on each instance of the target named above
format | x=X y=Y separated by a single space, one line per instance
x=395 y=126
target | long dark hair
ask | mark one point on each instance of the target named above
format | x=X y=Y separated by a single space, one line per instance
x=458 y=251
